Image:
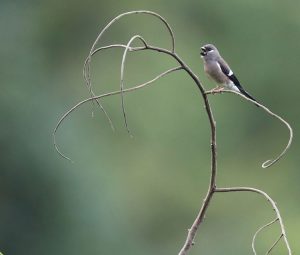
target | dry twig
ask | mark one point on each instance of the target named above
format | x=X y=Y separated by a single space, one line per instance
x=127 y=48
x=75 y=107
x=273 y=204
x=269 y=162
x=258 y=231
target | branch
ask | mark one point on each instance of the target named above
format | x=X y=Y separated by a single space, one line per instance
x=273 y=204
x=274 y=244
x=199 y=218
x=115 y=46
x=258 y=231
x=135 y=12
x=269 y=162
x=193 y=230
x=86 y=73
x=87 y=66
x=101 y=96
x=127 y=48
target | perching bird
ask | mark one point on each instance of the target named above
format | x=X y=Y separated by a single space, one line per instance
x=217 y=68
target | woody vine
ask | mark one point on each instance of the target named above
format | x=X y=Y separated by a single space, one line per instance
x=182 y=66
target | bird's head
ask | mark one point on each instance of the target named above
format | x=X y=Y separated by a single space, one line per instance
x=208 y=50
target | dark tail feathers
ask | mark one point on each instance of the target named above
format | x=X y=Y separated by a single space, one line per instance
x=245 y=93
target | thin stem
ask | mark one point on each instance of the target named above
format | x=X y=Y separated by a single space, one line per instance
x=102 y=96
x=127 y=48
x=269 y=162
x=135 y=12
x=270 y=200
x=115 y=46
x=258 y=231
x=86 y=69
x=274 y=244
x=86 y=73
x=87 y=64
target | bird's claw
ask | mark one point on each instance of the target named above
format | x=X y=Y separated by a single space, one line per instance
x=215 y=90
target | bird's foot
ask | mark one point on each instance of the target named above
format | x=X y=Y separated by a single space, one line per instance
x=215 y=90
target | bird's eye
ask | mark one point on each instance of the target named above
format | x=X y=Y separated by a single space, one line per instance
x=209 y=49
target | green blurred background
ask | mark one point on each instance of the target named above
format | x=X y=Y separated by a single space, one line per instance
x=139 y=195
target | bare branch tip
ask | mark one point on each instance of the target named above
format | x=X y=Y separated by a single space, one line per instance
x=268 y=163
x=258 y=231
x=61 y=154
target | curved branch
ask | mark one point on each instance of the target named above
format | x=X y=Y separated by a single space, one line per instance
x=136 y=12
x=86 y=73
x=270 y=200
x=115 y=46
x=86 y=68
x=258 y=231
x=127 y=48
x=199 y=218
x=269 y=162
x=101 y=96
x=111 y=46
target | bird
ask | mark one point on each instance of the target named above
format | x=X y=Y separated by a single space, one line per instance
x=219 y=71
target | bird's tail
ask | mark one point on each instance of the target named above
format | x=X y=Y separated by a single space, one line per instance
x=245 y=93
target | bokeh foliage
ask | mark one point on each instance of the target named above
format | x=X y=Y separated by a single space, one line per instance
x=139 y=195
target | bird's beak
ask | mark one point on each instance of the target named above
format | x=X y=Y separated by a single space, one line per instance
x=203 y=52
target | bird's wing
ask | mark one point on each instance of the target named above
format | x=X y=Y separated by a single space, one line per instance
x=227 y=71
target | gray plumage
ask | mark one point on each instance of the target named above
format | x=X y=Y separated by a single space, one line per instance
x=217 y=68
